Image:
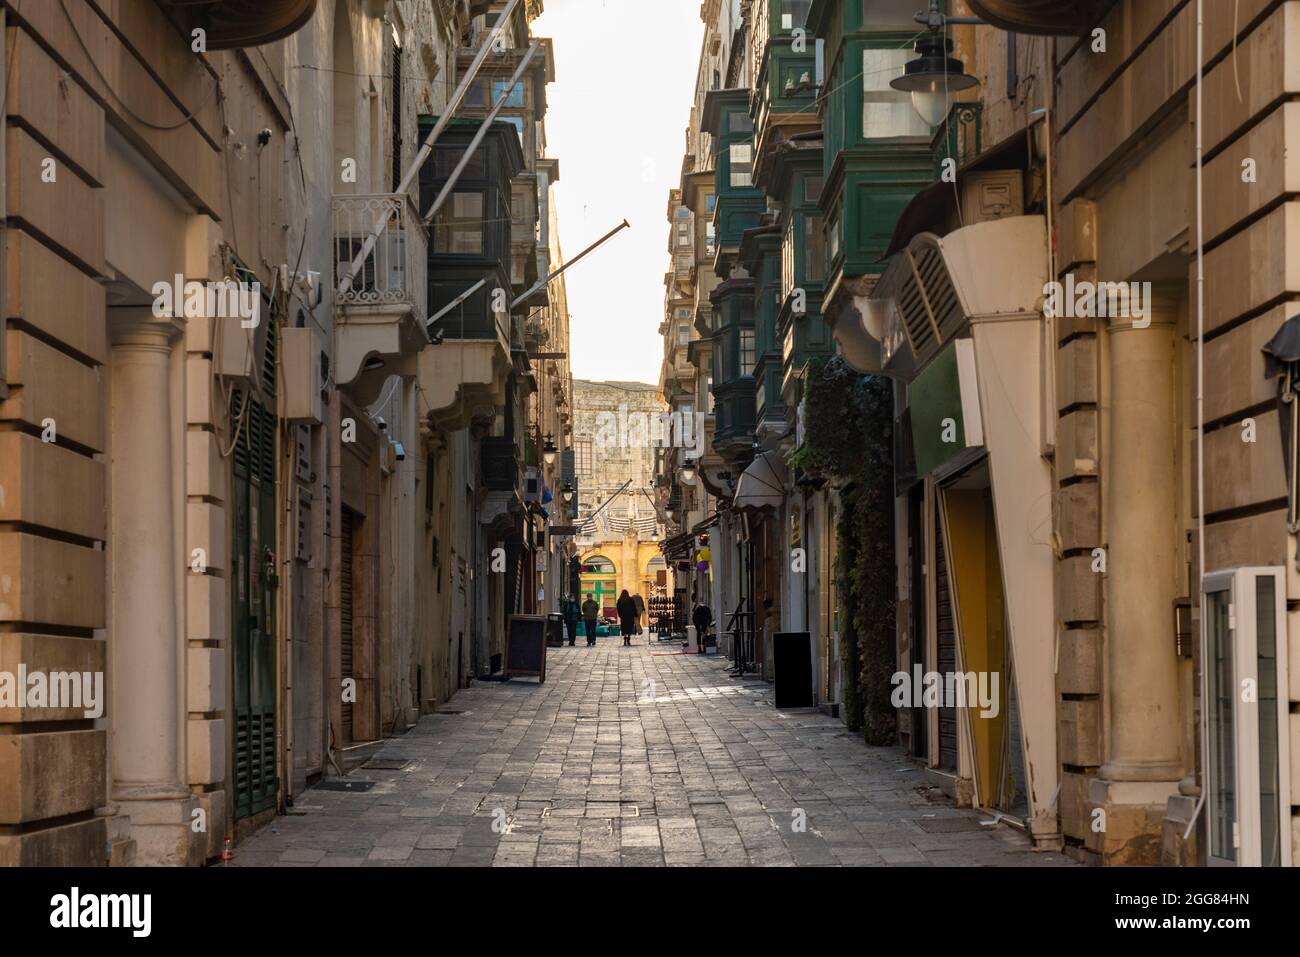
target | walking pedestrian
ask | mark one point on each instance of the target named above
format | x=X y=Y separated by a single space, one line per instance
x=590 y=611
x=572 y=615
x=627 y=617
x=640 y=610
x=702 y=618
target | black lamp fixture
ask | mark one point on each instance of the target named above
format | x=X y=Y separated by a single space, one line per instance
x=688 y=471
x=935 y=75
x=549 y=451
x=568 y=492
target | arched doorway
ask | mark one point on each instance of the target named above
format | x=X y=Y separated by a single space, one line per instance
x=600 y=581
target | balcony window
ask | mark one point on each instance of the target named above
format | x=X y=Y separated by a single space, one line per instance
x=683 y=234
x=683 y=335
x=887 y=112
x=475 y=95
x=742 y=164
x=889 y=14
x=516 y=97
x=746 y=351
x=812 y=189
x=794 y=13
x=710 y=203
x=814 y=249
x=710 y=239
x=458 y=227
x=445 y=162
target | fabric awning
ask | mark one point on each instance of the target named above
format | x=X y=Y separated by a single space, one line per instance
x=762 y=485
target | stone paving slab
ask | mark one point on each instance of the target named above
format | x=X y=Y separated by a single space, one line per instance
x=634 y=757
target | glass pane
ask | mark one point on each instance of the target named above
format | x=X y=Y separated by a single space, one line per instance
x=1270 y=814
x=887 y=112
x=814 y=249
x=474 y=94
x=794 y=13
x=812 y=189
x=739 y=122
x=1219 y=724
x=890 y=14
x=516 y=97
x=741 y=159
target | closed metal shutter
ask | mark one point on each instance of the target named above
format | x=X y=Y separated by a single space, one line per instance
x=345 y=614
x=947 y=656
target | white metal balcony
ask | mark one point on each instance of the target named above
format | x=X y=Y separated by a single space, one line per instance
x=381 y=310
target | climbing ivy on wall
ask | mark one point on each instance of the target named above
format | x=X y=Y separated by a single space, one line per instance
x=848 y=438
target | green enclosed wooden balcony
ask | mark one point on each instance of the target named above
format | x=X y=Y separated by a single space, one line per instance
x=739 y=203
x=733 y=360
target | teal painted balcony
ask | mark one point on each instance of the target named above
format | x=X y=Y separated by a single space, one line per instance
x=739 y=203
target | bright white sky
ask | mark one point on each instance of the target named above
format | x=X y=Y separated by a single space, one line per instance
x=616 y=120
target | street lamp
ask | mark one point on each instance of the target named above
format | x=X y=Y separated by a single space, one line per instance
x=688 y=471
x=933 y=77
x=549 y=451
x=568 y=492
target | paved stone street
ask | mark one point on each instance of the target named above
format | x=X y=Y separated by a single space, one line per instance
x=633 y=756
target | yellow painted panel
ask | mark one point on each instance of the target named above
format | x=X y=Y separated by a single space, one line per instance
x=976 y=577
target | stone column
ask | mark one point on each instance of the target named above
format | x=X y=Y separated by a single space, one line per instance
x=148 y=780
x=1143 y=756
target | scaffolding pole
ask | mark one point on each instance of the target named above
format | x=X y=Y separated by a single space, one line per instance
x=457 y=97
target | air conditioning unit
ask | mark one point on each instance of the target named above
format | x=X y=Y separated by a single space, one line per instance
x=301 y=371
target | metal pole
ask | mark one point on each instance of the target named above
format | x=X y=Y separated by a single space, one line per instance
x=479 y=134
x=547 y=281
x=457 y=97
x=455 y=302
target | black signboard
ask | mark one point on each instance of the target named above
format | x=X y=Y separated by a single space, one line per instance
x=792 y=662
x=526 y=647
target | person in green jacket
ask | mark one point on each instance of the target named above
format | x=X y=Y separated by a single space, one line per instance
x=590 y=612
x=572 y=614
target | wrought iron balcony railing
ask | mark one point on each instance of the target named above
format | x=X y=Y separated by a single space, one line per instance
x=393 y=271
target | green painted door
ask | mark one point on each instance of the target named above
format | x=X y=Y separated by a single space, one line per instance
x=253 y=601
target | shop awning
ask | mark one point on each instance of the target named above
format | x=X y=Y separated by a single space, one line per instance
x=762 y=485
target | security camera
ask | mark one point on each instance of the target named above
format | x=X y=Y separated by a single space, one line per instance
x=379 y=421
x=264 y=136
x=436 y=338
x=399 y=451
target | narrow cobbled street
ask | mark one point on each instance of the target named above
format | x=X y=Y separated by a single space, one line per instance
x=633 y=756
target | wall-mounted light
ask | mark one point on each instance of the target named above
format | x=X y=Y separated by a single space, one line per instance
x=568 y=492
x=933 y=78
x=549 y=451
x=688 y=471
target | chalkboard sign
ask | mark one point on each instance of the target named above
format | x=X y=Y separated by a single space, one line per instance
x=526 y=647
x=792 y=662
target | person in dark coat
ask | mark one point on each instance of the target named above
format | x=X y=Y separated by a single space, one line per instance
x=702 y=619
x=589 y=612
x=572 y=614
x=628 y=617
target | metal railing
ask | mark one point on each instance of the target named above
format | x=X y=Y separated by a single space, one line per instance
x=393 y=273
x=740 y=626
